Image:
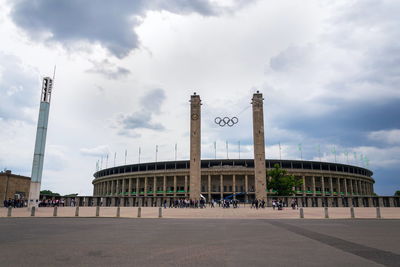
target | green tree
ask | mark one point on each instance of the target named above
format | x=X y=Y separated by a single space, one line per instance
x=48 y=193
x=397 y=193
x=281 y=182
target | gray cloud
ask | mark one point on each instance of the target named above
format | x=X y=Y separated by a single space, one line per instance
x=108 y=23
x=109 y=70
x=150 y=104
x=19 y=89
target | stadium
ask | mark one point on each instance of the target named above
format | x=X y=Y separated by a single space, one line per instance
x=152 y=183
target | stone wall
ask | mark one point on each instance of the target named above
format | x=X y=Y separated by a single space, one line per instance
x=11 y=184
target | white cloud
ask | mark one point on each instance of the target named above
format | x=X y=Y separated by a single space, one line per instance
x=391 y=137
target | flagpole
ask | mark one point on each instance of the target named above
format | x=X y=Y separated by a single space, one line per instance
x=126 y=153
x=139 y=154
x=101 y=165
x=215 y=149
x=227 y=156
x=176 y=150
x=280 y=152
x=115 y=156
x=107 y=162
x=156 y=152
x=239 y=148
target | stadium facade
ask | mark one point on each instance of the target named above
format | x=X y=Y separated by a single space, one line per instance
x=150 y=184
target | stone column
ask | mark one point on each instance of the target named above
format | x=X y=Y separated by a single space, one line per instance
x=117 y=187
x=123 y=187
x=234 y=186
x=351 y=187
x=174 y=186
x=195 y=146
x=246 y=187
x=356 y=185
x=137 y=187
x=304 y=186
x=313 y=186
x=165 y=185
x=259 y=147
x=209 y=187
x=345 y=186
x=145 y=186
x=331 y=185
x=185 y=188
x=323 y=185
x=155 y=186
x=338 y=186
x=221 y=185
x=130 y=187
x=112 y=187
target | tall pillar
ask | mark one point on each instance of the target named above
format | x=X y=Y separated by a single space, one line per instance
x=185 y=188
x=351 y=187
x=356 y=185
x=345 y=186
x=137 y=187
x=259 y=147
x=323 y=185
x=130 y=187
x=155 y=186
x=165 y=185
x=234 y=186
x=313 y=186
x=209 y=187
x=304 y=185
x=112 y=187
x=331 y=185
x=195 y=146
x=40 y=143
x=145 y=186
x=338 y=187
x=221 y=185
x=175 y=186
x=246 y=188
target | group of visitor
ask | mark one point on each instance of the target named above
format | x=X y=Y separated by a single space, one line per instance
x=227 y=203
x=15 y=203
x=52 y=203
x=185 y=203
x=256 y=203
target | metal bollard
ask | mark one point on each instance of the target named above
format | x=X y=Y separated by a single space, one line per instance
x=139 y=212
x=77 y=211
x=9 y=211
x=378 y=213
x=118 y=211
x=301 y=213
x=97 y=211
x=352 y=215
x=159 y=212
x=326 y=213
x=33 y=211
x=55 y=211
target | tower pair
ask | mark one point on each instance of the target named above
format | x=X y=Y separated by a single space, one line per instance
x=258 y=141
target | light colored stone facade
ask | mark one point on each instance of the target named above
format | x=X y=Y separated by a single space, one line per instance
x=195 y=147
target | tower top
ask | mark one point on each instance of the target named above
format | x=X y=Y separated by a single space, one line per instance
x=47 y=87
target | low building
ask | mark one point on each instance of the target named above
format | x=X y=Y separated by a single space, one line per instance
x=13 y=186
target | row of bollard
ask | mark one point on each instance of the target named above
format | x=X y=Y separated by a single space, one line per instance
x=55 y=212
x=352 y=213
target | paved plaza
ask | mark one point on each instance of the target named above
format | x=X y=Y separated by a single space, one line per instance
x=193 y=242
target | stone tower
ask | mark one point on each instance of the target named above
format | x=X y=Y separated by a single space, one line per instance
x=195 y=146
x=259 y=147
x=38 y=157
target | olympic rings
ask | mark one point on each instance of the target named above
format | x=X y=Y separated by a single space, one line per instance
x=226 y=121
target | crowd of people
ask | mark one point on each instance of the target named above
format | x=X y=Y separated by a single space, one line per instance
x=52 y=203
x=15 y=203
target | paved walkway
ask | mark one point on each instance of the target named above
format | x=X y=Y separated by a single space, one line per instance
x=209 y=213
x=193 y=242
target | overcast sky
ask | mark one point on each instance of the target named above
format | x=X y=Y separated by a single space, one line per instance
x=329 y=72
